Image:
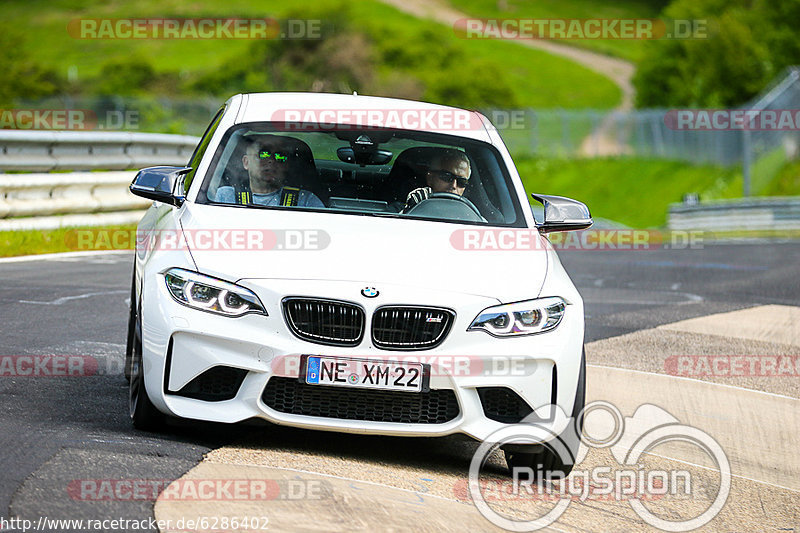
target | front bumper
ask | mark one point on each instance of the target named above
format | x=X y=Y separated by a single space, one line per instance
x=180 y=344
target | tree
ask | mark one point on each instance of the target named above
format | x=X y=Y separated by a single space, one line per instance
x=749 y=43
x=22 y=77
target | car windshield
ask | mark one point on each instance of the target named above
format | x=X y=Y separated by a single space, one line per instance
x=377 y=172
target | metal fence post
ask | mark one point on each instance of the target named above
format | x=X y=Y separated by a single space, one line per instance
x=746 y=161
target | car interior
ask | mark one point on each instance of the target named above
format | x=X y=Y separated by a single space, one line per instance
x=369 y=172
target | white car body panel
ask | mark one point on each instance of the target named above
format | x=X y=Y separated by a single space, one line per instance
x=367 y=250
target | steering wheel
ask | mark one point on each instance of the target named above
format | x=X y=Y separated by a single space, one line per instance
x=447 y=205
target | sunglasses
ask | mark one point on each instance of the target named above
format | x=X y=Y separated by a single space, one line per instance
x=448 y=177
x=278 y=156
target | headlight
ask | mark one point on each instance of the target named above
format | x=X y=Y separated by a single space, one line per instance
x=521 y=318
x=210 y=294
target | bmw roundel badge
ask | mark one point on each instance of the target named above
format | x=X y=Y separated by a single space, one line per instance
x=370 y=292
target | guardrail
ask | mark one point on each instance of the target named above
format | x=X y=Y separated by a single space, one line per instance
x=767 y=213
x=24 y=195
x=43 y=151
x=52 y=200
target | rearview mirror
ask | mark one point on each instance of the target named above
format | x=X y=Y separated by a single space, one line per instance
x=159 y=184
x=563 y=214
x=364 y=157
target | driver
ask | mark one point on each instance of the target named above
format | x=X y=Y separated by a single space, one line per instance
x=448 y=171
x=267 y=160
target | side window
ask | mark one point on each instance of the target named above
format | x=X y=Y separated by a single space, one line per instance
x=197 y=156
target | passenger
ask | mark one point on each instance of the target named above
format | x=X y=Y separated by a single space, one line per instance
x=267 y=160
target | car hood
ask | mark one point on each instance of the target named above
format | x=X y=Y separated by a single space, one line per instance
x=297 y=245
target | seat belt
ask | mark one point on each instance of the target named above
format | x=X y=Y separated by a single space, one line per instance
x=243 y=197
x=290 y=196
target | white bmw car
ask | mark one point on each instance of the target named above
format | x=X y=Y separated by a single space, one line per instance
x=354 y=264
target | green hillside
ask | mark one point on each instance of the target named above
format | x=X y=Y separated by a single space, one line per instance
x=378 y=50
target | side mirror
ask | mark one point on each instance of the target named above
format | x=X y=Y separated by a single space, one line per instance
x=159 y=184
x=563 y=214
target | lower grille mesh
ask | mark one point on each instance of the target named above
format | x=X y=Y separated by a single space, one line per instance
x=503 y=405
x=215 y=384
x=287 y=395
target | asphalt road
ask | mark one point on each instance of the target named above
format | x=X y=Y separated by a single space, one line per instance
x=59 y=431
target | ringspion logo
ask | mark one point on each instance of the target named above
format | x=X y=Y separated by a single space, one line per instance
x=625 y=478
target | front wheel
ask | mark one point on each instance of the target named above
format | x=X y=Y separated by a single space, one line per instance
x=131 y=329
x=546 y=459
x=143 y=413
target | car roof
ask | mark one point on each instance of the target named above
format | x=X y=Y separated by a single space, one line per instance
x=361 y=111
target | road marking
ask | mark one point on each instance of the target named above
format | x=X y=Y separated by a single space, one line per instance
x=61 y=255
x=690 y=299
x=690 y=379
x=343 y=478
x=636 y=295
x=704 y=266
x=778 y=324
x=380 y=507
x=764 y=423
x=64 y=299
x=717 y=470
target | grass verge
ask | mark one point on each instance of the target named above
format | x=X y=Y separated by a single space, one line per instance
x=30 y=242
x=637 y=192
x=633 y=191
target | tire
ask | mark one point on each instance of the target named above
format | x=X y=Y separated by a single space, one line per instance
x=143 y=413
x=547 y=460
x=131 y=330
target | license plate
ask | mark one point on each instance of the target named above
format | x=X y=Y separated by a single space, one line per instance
x=365 y=373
